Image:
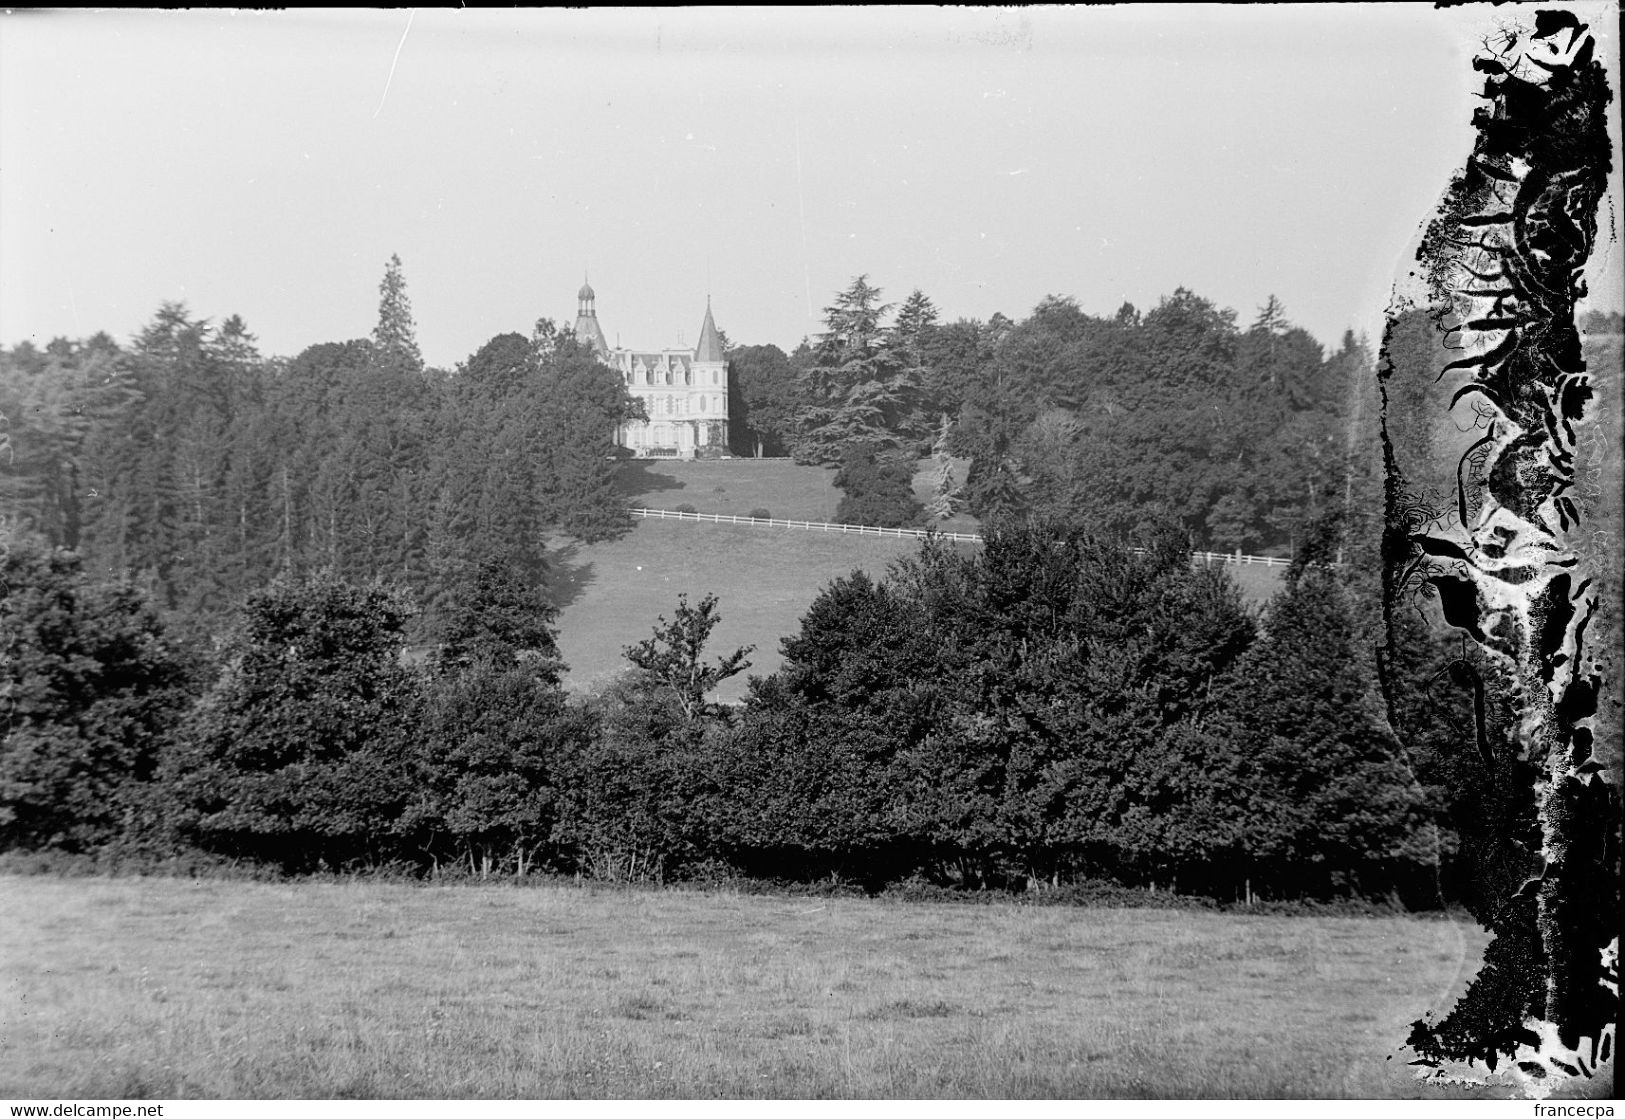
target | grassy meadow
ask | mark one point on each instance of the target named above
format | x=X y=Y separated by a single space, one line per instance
x=164 y=988
x=734 y=486
x=764 y=578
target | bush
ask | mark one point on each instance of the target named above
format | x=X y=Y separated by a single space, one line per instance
x=640 y=800
x=631 y=799
x=876 y=492
x=761 y=514
x=685 y=508
x=485 y=770
x=299 y=754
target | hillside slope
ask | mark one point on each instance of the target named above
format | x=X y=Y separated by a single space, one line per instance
x=736 y=486
x=779 y=485
x=764 y=578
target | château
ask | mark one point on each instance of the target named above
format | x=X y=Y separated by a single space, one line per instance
x=684 y=392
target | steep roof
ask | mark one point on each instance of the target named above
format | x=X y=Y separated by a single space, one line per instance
x=588 y=331
x=710 y=346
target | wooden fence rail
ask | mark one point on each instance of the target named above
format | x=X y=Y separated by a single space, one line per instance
x=1207 y=558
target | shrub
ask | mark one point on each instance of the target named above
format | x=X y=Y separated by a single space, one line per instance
x=630 y=805
x=485 y=769
x=640 y=799
x=762 y=514
x=298 y=755
x=876 y=491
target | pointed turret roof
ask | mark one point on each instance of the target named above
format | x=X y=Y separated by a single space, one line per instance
x=710 y=345
x=587 y=328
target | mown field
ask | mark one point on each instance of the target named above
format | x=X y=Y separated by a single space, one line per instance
x=764 y=578
x=734 y=486
x=128 y=988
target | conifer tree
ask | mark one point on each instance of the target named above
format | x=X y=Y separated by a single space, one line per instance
x=875 y=489
x=945 y=496
x=502 y=620
x=855 y=389
x=90 y=685
x=1331 y=801
x=395 y=336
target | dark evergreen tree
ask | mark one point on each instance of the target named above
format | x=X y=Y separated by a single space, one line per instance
x=395 y=335
x=875 y=490
x=910 y=341
x=91 y=686
x=1332 y=805
x=855 y=388
x=570 y=416
x=502 y=620
x=299 y=755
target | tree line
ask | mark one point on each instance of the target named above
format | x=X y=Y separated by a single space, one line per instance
x=191 y=463
x=1054 y=708
x=1243 y=436
x=195 y=469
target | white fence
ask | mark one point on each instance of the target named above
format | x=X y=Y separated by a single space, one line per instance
x=1206 y=558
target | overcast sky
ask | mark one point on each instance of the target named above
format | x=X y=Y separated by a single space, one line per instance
x=268 y=164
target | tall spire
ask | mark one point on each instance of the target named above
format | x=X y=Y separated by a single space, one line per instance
x=587 y=328
x=710 y=344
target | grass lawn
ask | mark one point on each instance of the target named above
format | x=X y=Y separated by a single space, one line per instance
x=734 y=486
x=764 y=580
x=779 y=485
x=128 y=988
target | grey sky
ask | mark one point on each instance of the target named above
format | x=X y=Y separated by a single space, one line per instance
x=267 y=164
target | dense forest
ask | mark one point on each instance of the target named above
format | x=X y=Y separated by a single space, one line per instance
x=211 y=562
x=195 y=468
x=1242 y=436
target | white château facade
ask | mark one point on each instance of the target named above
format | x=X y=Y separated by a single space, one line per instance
x=684 y=392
